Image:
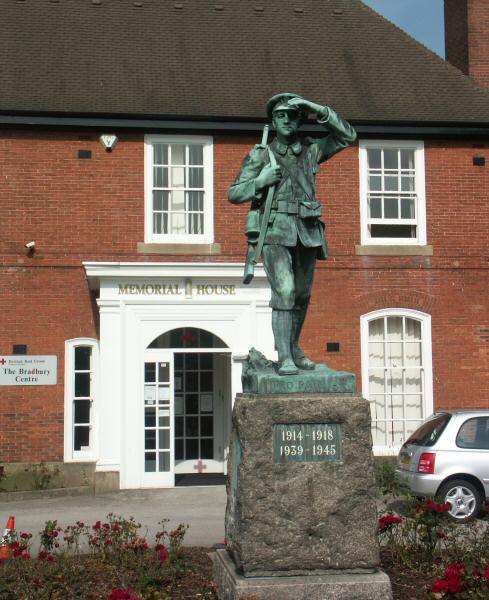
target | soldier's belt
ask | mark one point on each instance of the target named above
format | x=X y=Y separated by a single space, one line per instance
x=283 y=206
x=306 y=209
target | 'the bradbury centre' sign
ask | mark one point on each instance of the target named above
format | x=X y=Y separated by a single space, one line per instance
x=28 y=370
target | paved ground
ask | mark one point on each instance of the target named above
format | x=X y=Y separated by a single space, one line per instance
x=202 y=508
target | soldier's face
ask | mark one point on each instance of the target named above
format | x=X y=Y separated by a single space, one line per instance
x=286 y=123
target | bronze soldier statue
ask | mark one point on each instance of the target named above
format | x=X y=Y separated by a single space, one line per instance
x=284 y=222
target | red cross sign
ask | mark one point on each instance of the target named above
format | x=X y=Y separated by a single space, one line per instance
x=200 y=466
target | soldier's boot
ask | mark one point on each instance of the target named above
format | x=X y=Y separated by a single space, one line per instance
x=300 y=359
x=282 y=332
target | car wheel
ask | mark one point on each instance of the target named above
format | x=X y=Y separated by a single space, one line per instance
x=464 y=497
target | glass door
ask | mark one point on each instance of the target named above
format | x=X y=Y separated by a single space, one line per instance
x=157 y=412
x=194 y=412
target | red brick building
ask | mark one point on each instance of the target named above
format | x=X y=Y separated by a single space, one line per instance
x=122 y=125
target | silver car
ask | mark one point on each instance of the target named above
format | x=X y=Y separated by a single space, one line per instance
x=448 y=457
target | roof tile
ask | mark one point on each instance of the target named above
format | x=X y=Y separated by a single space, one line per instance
x=208 y=59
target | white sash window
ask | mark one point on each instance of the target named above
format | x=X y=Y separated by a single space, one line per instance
x=178 y=189
x=392 y=190
x=81 y=385
x=396 y=374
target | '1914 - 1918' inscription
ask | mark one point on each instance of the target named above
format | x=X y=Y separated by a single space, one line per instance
x=307 y=442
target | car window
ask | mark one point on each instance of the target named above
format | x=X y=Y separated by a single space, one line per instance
x=428 y=433
x=474 y=433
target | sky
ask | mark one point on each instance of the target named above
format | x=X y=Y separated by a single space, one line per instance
x=422 y=19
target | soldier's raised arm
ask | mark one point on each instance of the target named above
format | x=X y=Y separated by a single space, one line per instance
x=341 y=133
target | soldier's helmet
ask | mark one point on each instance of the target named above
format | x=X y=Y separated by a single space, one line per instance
x=280 y=102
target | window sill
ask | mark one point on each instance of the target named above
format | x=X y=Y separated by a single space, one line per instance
x=207 y=249
x=81 y=458
x=400 y=250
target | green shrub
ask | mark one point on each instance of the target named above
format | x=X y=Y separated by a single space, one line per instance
x=389 y=482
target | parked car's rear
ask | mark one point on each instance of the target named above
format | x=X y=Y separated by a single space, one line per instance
x=448 y=457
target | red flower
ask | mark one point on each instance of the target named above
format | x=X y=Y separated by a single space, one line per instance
x=453 y=579
x=17 y=549
x=486 y=574
x=106 y=526
x=159 y=547
x=50 y=557
x=122 y=594
x=97 y=526
x=26 y=536
x=442 y=508
x=163 y=555
x=108 y=543
x=387 y=521
x=459 y=568
x=437 y=507
x=440 y=586
x=455 y=585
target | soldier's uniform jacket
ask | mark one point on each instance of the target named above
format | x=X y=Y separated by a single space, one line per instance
x=295 y=210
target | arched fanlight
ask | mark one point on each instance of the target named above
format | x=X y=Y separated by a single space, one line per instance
x=187 y=337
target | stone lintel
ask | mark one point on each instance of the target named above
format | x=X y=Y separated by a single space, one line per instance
x=394 y=250
x=182 y=248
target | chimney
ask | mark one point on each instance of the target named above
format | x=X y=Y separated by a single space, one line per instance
x=467 y=37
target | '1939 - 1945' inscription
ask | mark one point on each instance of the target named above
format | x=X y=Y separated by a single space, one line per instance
x=307 y=442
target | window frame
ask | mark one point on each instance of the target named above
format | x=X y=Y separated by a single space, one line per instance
x=71 y=455
x=420 y=190
x=427 y=363
x=208 y=236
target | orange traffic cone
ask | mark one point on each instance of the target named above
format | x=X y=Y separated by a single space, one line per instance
x=5 y=541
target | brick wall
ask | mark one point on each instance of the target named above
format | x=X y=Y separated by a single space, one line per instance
x=80 y=210
x=467 y=37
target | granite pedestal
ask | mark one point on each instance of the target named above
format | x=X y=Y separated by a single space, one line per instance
x=299 y=525
x=329 y=586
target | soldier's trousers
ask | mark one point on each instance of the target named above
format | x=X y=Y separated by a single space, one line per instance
x=290 y=272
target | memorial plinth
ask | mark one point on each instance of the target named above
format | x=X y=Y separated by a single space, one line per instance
x=301 y=518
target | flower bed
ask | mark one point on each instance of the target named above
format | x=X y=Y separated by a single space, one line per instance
x=426 y=555
x=451 y=561
x=120 y=564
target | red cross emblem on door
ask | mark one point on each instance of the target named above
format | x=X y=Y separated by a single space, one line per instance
x=199 y=467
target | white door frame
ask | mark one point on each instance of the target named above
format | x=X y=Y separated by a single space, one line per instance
x=208 y=296
x=221 y=412
x=156 y=479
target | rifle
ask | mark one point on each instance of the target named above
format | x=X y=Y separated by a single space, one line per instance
x=254 y=250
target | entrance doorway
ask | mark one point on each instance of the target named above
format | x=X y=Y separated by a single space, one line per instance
x=187 y=406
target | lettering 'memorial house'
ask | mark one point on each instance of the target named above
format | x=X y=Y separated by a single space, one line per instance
x=121 y=259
